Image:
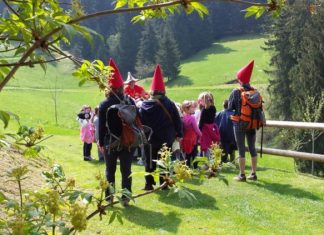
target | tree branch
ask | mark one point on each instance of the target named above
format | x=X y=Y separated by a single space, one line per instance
x=30 y=63
x=104 y=207
x=11 y=9
x=155 y=6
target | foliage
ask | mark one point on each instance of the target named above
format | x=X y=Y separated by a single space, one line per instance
x=168 y=55
x=298 y=70
x=63 y=208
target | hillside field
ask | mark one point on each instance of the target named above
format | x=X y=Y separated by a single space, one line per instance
x=280 y=202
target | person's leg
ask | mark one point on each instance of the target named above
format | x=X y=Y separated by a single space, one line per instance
x=84 y=149
x=111 y=164
x=151 y=154
x=240 y=141
x=125 y=160
x=251 y=138
x=87 y=151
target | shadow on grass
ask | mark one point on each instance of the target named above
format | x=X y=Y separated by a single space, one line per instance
x=286 y=189
x=179 y=81
x=152 y=219
x=203 y=200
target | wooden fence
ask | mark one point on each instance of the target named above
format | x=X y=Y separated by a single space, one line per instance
x=294 y=154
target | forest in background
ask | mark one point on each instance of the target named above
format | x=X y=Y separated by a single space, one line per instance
x=138 y=47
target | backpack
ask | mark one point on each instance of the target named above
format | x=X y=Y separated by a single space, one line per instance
x=251 y=109
x=133 y=134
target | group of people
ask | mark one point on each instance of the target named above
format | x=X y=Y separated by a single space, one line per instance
x=192 y=126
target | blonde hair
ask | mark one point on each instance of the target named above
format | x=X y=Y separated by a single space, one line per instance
x=186 y=104
x=208 y=99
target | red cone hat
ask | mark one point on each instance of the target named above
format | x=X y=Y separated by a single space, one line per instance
x=157 y=82
x=116 y=79
x=244 y=74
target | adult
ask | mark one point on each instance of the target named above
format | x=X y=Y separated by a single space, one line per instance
x=240 y=127
x=133 y=90
x=161 y=114
x=107 y=137
x=225 y=125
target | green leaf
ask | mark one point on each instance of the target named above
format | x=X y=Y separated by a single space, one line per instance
x=4 y=117
x=200 y=8
x=74 y=196
x=112 y=217
x=86 y=197
x=120 y=3
x=119 y=218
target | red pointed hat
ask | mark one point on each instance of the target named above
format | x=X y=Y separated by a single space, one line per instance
x=116 y=79
x=244 y=74
x=157 y=82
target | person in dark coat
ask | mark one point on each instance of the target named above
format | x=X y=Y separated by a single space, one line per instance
x=225 y=125
x=160 y=114
x=106 y=137
x=240 y=127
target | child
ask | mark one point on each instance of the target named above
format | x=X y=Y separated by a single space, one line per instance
x=87 y=130
x=191 y=131
x=210 y=132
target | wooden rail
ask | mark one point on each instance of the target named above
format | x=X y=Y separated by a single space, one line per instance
x=289 y=153
x=296 y=125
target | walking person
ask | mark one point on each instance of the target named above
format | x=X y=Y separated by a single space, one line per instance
x=107 y=138
x=160 y=114
x=242 y=126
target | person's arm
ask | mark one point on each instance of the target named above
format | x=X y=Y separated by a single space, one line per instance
x=195 y=126
x=102 y=124
x=202 y=118
x=176 y=120
x=231 y=101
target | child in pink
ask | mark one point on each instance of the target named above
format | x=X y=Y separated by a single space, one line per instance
x=209 y=130
x=191 y=132
x=87 y=131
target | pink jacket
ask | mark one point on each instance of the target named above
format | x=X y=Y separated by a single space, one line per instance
x=210 y=135
x=190 y=133
x=87 y=133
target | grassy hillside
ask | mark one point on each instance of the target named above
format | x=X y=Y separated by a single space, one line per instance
x=281 y=202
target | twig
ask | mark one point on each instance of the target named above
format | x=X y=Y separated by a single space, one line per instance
x=104 y=207
x=47 y=137
x=30 y=63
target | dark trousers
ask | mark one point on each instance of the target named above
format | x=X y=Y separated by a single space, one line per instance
x=191 y=156
x=87 y=149
x=125 y=159
x=151 y=153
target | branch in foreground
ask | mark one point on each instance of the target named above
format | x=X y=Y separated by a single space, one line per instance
x=104 y=207
x=31 y=63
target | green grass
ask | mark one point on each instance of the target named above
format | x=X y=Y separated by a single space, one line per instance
x=281 y=202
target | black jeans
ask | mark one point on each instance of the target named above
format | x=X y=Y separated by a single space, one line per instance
x=151 y=153
x=87 y=149
x=125 y=158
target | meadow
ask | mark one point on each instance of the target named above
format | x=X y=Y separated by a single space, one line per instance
x=280 y=202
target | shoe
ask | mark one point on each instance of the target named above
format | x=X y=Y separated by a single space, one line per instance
x=148 y=187
x=252 y=176
x=240 y=178
x=87 y=158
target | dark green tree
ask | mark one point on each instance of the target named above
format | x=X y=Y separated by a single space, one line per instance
x=168 y=55
x=145 y=60
x=297 y=86
x=124 y=44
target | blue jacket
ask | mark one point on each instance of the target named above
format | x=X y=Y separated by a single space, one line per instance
x=225 y=125
x=164 y=130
